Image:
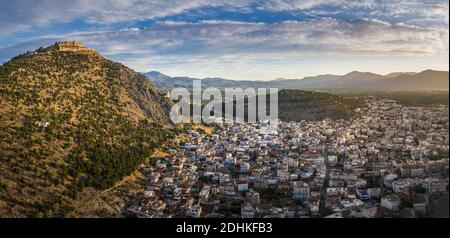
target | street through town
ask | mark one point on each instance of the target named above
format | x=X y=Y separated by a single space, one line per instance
x=323 y=190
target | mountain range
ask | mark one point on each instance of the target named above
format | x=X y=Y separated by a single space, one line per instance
x=425 y=80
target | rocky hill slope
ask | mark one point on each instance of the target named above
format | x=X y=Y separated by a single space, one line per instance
x=72 y=120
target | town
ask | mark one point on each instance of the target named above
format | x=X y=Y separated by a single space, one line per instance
x=388 y=162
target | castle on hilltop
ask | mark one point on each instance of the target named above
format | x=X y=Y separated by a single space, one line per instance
x=71 y=46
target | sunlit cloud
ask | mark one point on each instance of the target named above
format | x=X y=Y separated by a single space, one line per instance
x=178 y=36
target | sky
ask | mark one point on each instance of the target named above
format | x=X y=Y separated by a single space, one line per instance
x=239 y=39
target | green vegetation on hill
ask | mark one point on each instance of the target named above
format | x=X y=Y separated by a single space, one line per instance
x=417 y=99
x=72 y=120
x=406 y=98
x=297 y=105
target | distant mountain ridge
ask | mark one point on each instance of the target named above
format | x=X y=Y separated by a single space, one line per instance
x=426 y=80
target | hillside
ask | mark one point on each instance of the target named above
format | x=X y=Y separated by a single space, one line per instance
x=297 y=105
x=405 y=98
x=72 y=120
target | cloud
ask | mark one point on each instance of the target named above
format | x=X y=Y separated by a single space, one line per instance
x=219 y=42
x=290 y=5
x=22 y=15
x=319 y=36
x=417 y=12
x=319 y=28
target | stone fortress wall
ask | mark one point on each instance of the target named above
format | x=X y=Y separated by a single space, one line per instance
x=71 y=46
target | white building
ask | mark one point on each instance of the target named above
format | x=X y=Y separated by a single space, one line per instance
x=247 y=211
x=400 y=186
x=204 y=193
x=391 y=202
x=194 y=211
x=242 y=186
x=253 y=197
x=245 y=167
x=301 y=191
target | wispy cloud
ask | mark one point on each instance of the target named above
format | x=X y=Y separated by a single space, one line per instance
x=327 y=28
x=24 y=14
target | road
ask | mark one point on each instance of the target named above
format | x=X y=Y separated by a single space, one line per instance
x=323 y=189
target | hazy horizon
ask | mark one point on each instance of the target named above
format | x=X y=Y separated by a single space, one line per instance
x=298 y=78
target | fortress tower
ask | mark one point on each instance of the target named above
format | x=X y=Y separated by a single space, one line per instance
x=71 y=46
